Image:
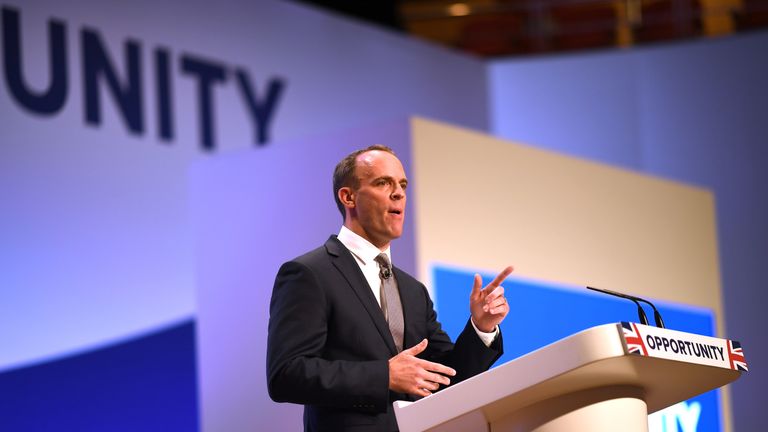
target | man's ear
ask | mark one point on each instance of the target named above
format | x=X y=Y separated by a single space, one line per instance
x=347 y=197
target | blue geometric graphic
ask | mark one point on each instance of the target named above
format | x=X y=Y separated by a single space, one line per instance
x=542 y=313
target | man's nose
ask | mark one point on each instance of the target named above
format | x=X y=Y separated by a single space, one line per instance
x=398 y=192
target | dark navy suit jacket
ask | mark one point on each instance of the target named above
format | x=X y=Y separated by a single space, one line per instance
x=329 y=344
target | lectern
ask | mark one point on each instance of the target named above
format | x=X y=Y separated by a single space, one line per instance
x=605 y=378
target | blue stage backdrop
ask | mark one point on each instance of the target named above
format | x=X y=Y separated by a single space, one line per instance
x=147 y=383
x=542 y=313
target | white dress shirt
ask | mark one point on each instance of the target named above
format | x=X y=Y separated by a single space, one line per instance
x=365 y=253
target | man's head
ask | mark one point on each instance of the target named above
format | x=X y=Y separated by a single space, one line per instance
x=369 y=188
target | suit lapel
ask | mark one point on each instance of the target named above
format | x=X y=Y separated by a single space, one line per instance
x=345 y=263
x=409 y=299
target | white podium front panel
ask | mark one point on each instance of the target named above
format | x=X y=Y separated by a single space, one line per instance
x=576 y=379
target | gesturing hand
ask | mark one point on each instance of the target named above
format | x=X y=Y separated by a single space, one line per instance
x=488 y=305
x=412 y=375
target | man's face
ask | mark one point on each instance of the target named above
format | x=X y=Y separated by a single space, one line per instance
x=379 y=201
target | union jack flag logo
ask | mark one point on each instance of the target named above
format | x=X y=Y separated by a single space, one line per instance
x=736 y=356
x=633 y=339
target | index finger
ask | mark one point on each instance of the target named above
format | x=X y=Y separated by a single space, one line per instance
x=436 y=367
x=501 y=276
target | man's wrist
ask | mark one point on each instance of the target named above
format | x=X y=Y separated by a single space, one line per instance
x=486 y=337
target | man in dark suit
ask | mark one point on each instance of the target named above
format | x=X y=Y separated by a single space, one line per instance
x=349 y=334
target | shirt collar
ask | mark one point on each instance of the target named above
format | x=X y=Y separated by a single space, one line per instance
x=361 y=248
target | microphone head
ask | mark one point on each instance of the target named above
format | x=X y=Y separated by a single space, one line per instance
x=386 y=273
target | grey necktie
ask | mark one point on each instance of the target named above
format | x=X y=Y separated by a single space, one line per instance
x=390 y=301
